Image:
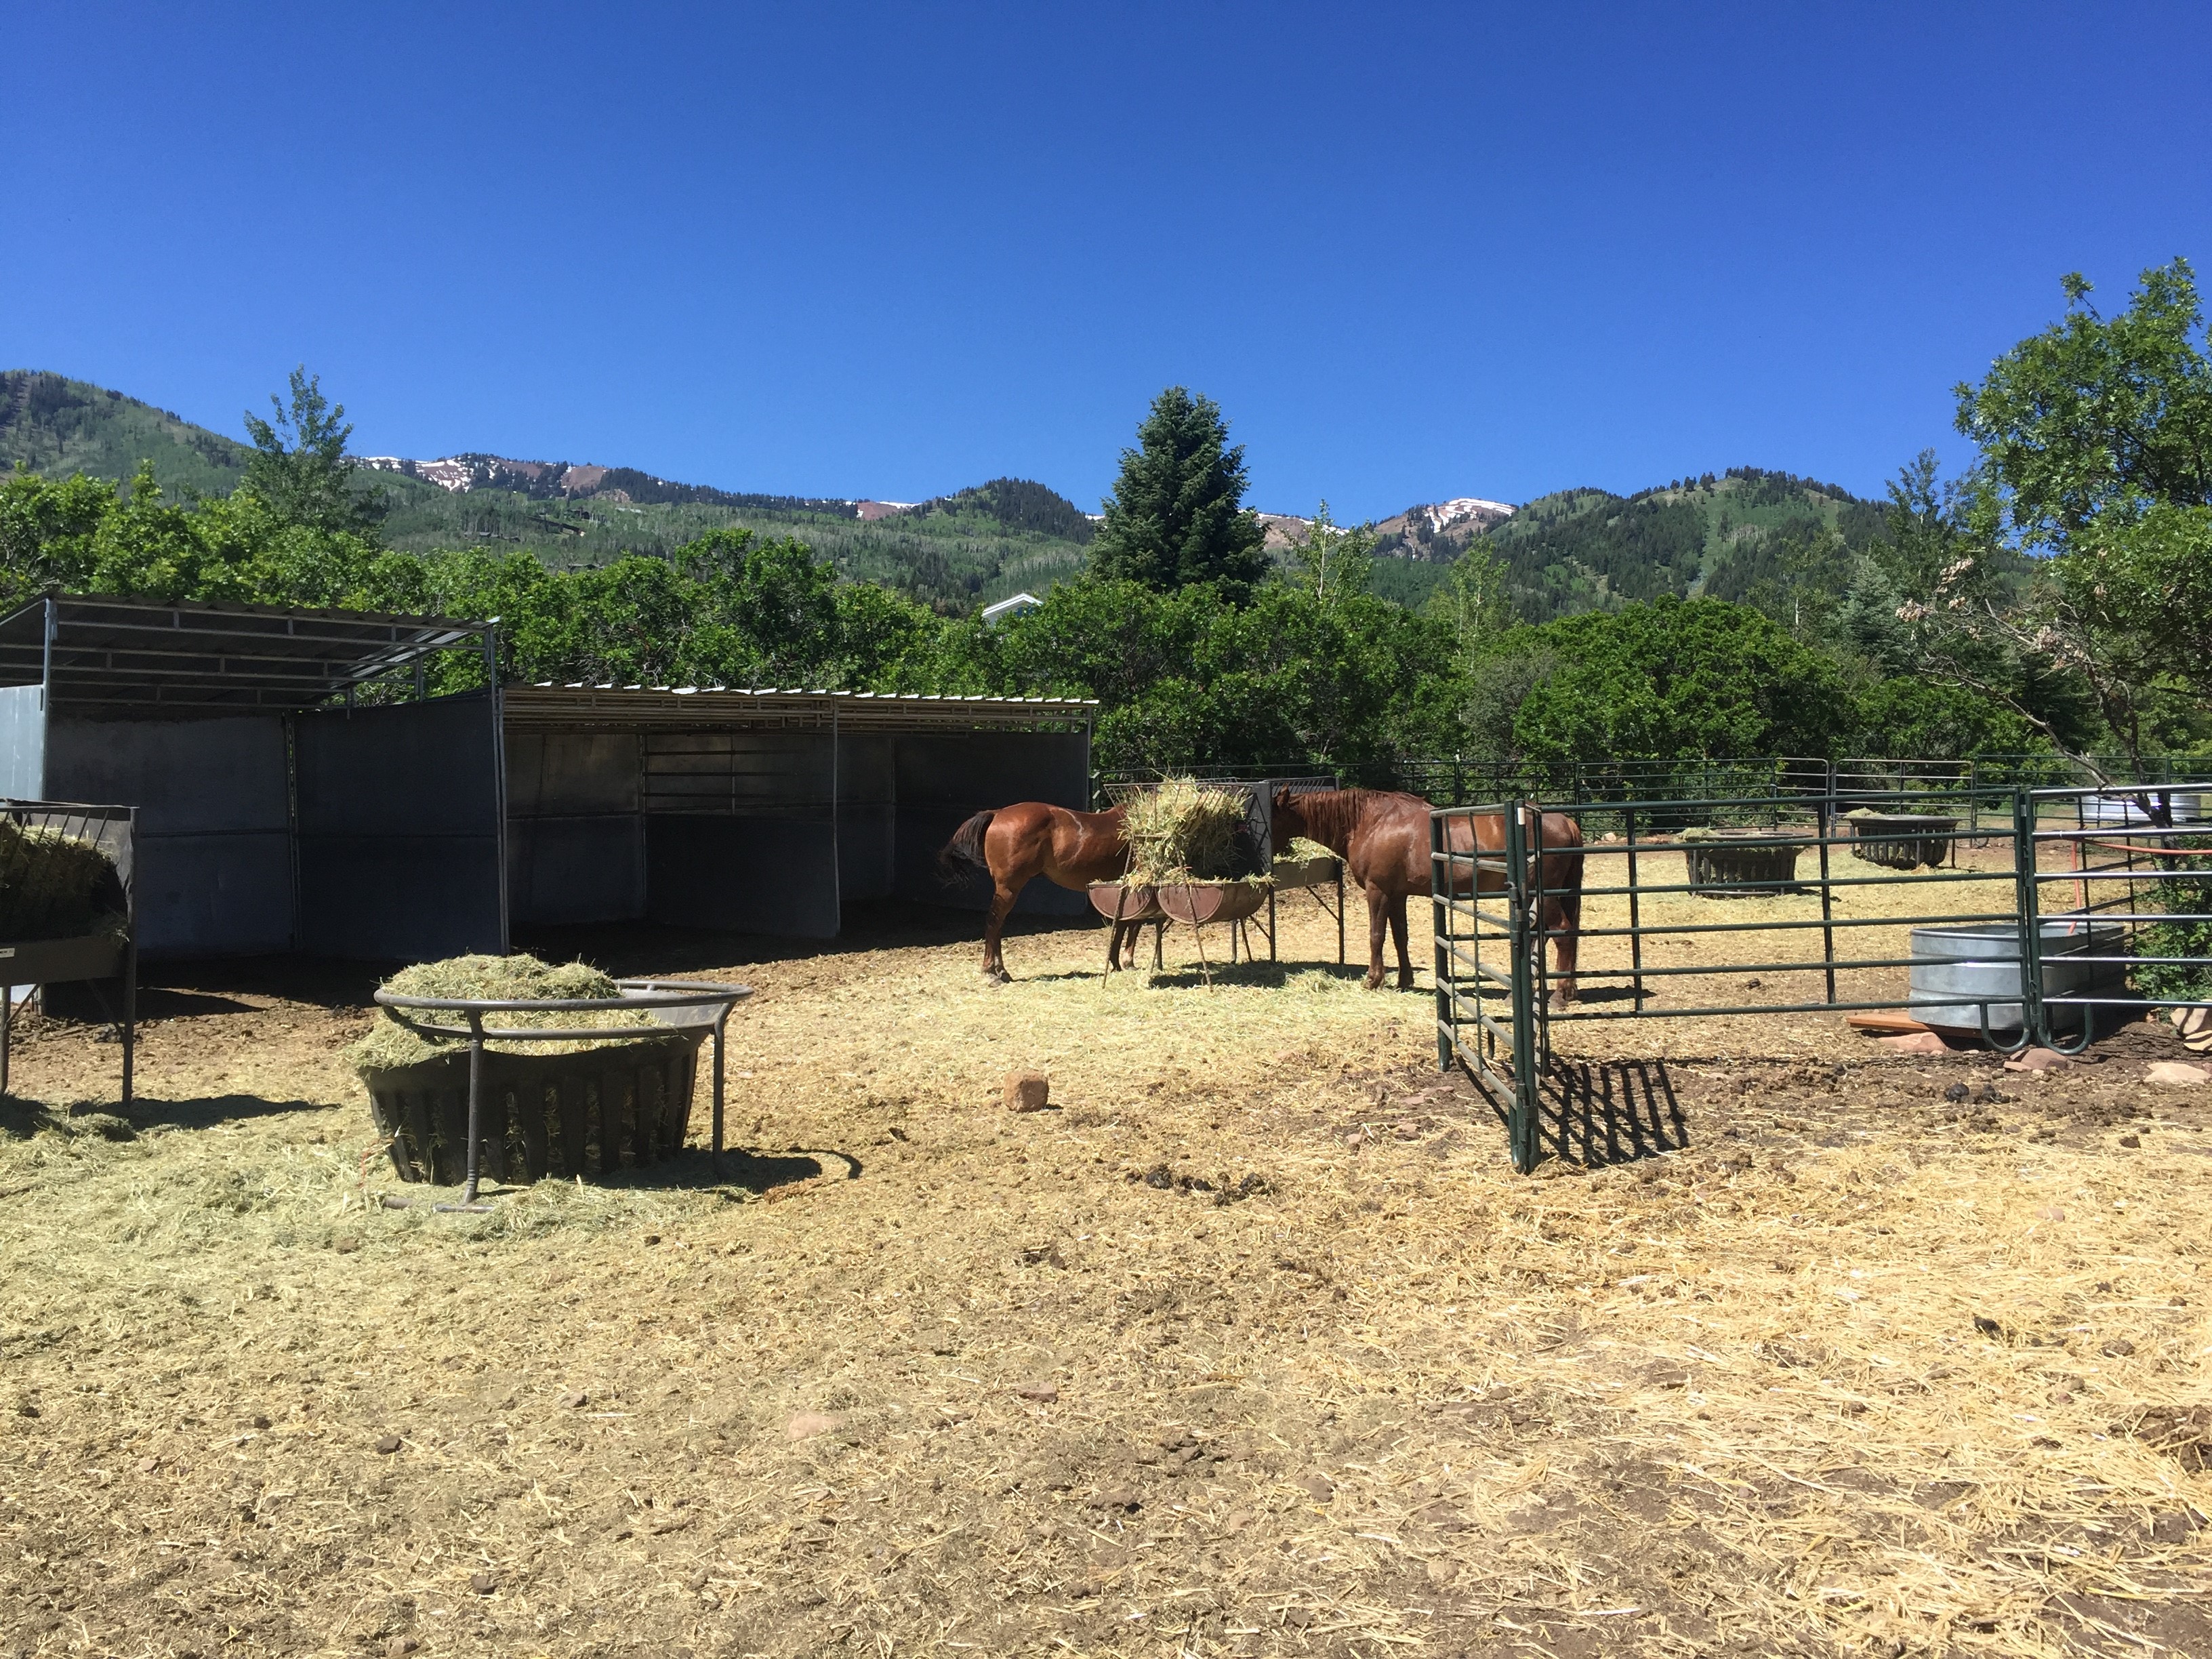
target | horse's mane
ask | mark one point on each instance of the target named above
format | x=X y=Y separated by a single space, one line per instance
x=1332 y=815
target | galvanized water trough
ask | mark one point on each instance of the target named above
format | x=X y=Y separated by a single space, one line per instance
x=1972 y=976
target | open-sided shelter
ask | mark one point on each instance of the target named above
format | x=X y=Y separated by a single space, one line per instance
x=296 y=790
x=762 y=810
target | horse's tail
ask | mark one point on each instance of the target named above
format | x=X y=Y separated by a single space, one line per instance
x=963 y=856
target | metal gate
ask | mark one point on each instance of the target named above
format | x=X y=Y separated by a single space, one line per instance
x=2141 y=910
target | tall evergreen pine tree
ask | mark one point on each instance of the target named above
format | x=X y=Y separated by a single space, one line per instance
x=1177 y=515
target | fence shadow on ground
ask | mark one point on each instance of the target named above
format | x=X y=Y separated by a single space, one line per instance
x=1597 y=1113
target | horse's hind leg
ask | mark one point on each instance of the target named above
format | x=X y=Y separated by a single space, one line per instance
x=994 y=964
x=1378 y=912
x=1566 y=915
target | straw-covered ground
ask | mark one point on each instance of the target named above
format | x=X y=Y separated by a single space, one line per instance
x=1252 y=1343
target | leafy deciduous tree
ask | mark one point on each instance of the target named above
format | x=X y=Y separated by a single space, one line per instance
x=299 y=464
x=2096 y=441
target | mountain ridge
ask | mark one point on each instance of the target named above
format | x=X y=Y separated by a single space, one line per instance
x=1747 y=534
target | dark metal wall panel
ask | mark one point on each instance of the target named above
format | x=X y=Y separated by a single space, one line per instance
x=399 y=898
x=756 y=875
x=214 y=842
x=580 y=869
x=750 y=774
x=400 y=832
x=23 y=742
x=575 y=830
x=573 y=774
x=867 y=815
x=215 y=896
x=741 y=831
x=944 y=779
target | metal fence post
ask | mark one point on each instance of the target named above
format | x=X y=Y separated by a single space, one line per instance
x=2031 y=927
x=1440 y=929
x=1522 y=1125
x=1828 y=891
x=1635 y=911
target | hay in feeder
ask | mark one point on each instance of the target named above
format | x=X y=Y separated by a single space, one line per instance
x=1183 y=831
x=1302 y=851
x=55 y=885
x=503 y=979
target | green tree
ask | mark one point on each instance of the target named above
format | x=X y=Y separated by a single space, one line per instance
x=1335 y=563
x=1678 y=679
x=299 y=464
x=47 y=527
x=2096 y=444
x=772 y=602
x=1177 y=515
x=1472 y=601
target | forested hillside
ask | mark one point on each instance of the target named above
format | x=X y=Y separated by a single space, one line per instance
x=57 y=426
x=953 y=553
x=1766 y=539
x=1752 y=536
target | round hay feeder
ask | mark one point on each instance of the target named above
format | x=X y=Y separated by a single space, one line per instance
x=589 y=1114
x=1741 y=863
x=1901 y=841
x=1125 y=901
x=624 y=1102
x=1197 y=902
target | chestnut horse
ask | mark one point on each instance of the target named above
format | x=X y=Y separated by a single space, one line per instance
x=1382 y=836
x=1014 y=845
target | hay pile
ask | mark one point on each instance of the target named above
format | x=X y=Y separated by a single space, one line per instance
x=1302 y=851
x=1183 y=831
x=505 y=979
x=55 y=885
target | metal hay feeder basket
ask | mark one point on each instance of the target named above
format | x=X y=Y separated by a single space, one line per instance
x=531 y=1115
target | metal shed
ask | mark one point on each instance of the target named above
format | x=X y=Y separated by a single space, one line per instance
x=279 y=808
x=763 y=810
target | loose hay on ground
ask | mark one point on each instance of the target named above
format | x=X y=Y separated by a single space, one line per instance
x=1254 y=1346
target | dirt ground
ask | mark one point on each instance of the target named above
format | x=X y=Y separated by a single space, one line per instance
x=1251 y=1344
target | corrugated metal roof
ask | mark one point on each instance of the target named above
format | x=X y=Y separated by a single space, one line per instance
x=113 y=656
x=570 y=706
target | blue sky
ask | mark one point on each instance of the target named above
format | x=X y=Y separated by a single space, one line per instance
x=1413 y=253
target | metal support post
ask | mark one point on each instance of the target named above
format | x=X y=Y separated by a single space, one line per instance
x=1522 y=1121
x=476 y=1120
x=1828 y=893
x=1635 y=911
x=721 y=1066
x=1441 y=885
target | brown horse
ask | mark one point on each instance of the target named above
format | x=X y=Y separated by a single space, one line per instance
x=1382 y=836
x=1014 y=845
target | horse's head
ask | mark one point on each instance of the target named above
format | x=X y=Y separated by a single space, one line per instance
x=1289 y=820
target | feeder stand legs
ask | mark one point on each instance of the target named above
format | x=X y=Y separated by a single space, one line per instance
x=721 y=1043
x=475 y=1116
x=129 y=1014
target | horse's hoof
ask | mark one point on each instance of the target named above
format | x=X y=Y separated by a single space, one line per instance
x=1374 y=983
x=997 y=976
